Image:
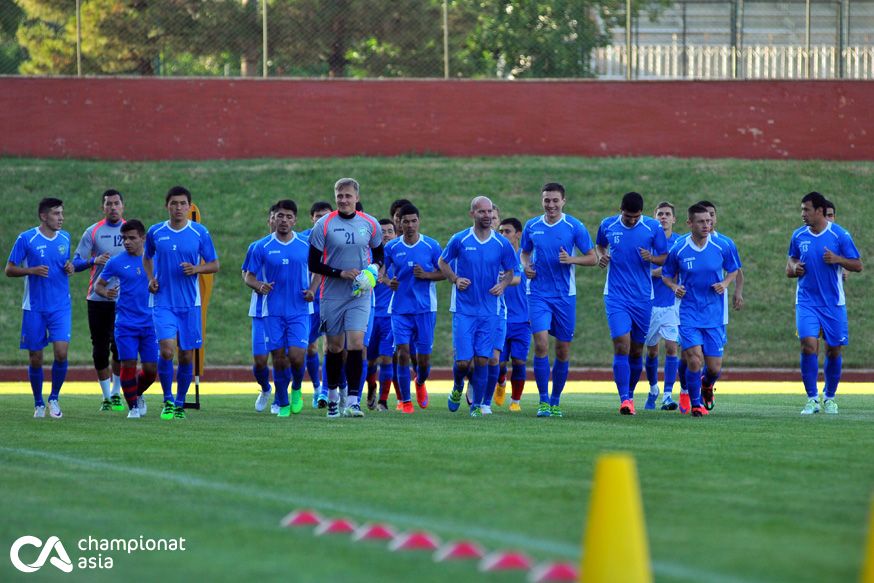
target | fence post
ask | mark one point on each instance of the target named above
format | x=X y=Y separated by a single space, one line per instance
x=807 y=37
x=628 y=40
x=446 y=39
x=264 y=38
x=78 y=38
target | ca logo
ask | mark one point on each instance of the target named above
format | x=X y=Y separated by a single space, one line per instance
x=53 y=543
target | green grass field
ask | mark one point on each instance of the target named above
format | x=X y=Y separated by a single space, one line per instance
x=758 y=202
x=752 y=493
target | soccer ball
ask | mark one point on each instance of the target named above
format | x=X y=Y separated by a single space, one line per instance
x=366 y=280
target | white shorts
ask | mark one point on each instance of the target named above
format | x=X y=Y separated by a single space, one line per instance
x=664 y=323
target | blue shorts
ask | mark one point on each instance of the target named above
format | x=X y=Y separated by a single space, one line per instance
x=368 y=332
x=500 y=335
x=473 y=336
x=259 y=344
x=624 y=316
x=711 y=340
x=184 y=322
x=832 y=320
x=518 y=341
x=40 y=328
x=133 y=341
x=414 y=329
x=286 y=331
x=382 y=339
x=315 y=324
x=557 y=315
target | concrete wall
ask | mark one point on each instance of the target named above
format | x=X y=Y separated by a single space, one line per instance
x=163 y=119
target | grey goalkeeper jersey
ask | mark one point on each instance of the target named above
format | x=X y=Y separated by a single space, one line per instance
x=99 y=238
x=345 y=244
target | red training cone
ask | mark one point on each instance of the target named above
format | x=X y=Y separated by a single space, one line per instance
x=301 y=518
x=459 y=550
x=374 y=532
x=553 y=572
x=338 y=526
x=414 y=541
x=505 y=561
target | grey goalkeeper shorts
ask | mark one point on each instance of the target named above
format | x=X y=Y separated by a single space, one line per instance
x=341 y=315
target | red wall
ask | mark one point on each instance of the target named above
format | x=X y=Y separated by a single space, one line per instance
x=152 y=119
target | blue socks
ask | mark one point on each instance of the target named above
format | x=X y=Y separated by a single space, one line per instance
x=422 y=374
x=184 y=374
x=296 y=377
x=541 y=377
x=478 y=380
x=652 y=370
x=35 y=376
x=491 y=380
x=312 y=364
x=809 y=374
x=282 y=376
x=693 y=385
x=165 y=375
x=559 y=378
x=833 y=368
x=404 y=382
x=262 y=377
x=458 y=377
x=621 y=375
x=671 y=365
x=59 y=373
x=635 y=368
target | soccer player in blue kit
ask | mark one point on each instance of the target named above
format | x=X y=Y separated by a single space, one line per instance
x=134 y=331
x=42 y=256
x=172 y=257
x=818 y=252
x=479 y=263
x=627 y=245
x=549 y=258
x=380 y=349
x=412 y=259
x=314 y=370
x=278 y=272
x=699 y=271
x=517 y=341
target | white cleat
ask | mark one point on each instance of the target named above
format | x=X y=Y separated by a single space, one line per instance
x=274 y=409
x=39 y=411
x=261 y=401
x=134 y=413
x=486 y=409
x=141 y=406
x=55 y=409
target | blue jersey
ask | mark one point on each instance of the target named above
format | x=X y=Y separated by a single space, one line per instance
x=305 y=235
x=822 y=284
x=482 y=263
x=544 y=242
x=515 y=296
x=413 y=296
x=628 y=275
x=382 y=298
x=722 y=240
x=132 y=305
x=663 y=296
x=168 y=248
x=697 y=269
x=31 y=249
x=285 y=266
x=255 y=307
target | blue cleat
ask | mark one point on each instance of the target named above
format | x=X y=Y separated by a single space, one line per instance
x=668 y=404
x=650 y=402
x=544 y=409
x=316 y=394
x=454 y=400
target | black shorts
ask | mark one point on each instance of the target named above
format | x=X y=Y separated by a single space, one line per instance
x=101 y=323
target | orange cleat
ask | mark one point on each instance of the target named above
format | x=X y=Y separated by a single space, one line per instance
x=627 y=407
x=500 y=394
x=685 y=404
x=408 y=408
x=400 y=406
x=422 y=395
x=699 y=411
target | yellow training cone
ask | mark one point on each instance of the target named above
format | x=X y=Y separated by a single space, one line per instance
x=615 y=546
x=868 y=559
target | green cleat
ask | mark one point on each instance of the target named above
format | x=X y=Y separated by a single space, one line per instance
x=454 y=400
x=296 y=402
x=106 y=405
x=830 y=406
x=544 y=410
x=555 y=411
x=812 y=406
x=117 y=403
x=179 y=413
x=168 y=409
x=285 y=411
x=476 y=412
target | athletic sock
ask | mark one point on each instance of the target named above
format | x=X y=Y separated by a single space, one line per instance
x=559 y=379
x=833 y=368
x=681 y=375
x=165 y=375
x=404 y=382
x=385 y=374
x=105 y=387
x=517 y=380
x=144 y=381
x=129 y=385
x=621 y=375
x=422 y=374
x=59 y=374
x=334 y=395
x=635 y=367
x=502 y=374
x=541 y=377
x=709 y=378
x=312 y=364
x=809 y=374
x=333 y=372
x=262 y=377
x=325 y=371
x=116 y=384
x=458 y=377
x=281 y=378
x=478 y=381
x=354 y=368
x=35 y=376
x=372 y=371
x=491 y=382
x=671 y=364
x=297 y=377
x=184 y=374
x=652 y=370
x=693 y=384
